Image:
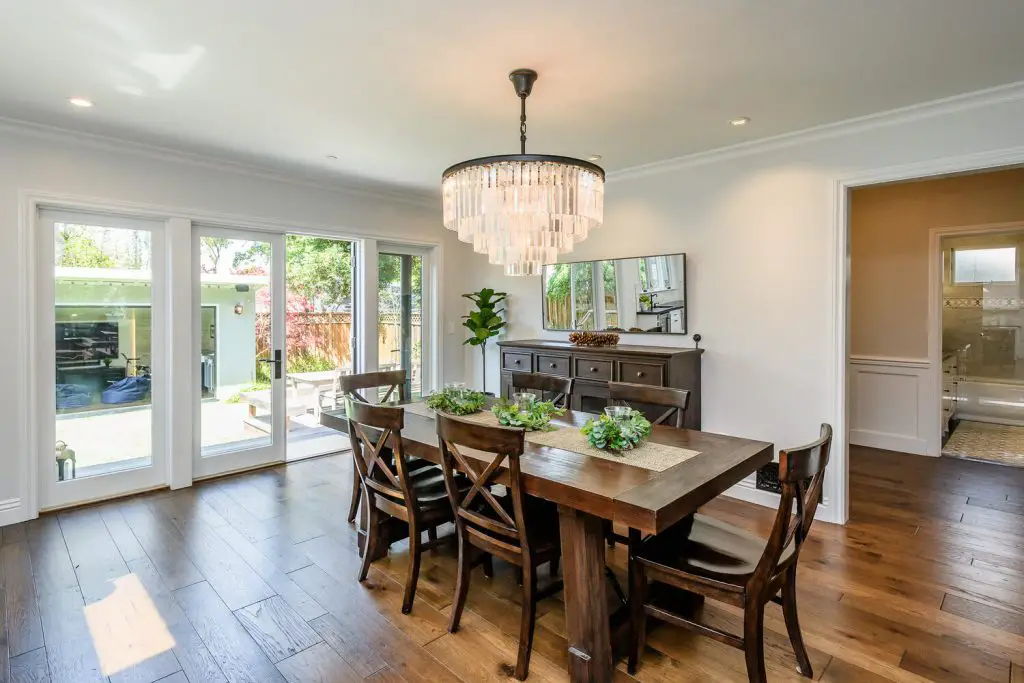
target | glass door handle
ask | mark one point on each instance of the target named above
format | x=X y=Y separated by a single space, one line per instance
x=276 y=360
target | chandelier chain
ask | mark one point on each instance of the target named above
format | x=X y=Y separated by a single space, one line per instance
x=522 y=124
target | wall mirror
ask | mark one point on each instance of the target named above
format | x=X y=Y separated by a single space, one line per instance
x=645 y=294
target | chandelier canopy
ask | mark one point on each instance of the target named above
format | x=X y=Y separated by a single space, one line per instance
x=522 y=210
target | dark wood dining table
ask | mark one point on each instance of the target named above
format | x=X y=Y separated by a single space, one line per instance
x=589 y=490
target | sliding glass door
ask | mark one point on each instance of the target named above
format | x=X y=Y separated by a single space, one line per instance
x=403 y=320
x=101 y=353
x=242 y=411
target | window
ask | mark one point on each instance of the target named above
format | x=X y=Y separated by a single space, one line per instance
x=973 y=266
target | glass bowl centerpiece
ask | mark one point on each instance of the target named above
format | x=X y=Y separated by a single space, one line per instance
x=526 y=411
x=457 y=399
x=621 y=428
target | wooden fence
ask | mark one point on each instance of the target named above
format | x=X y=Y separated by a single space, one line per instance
x=329 y=335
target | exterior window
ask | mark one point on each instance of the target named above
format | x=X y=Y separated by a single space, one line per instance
x=977 y=266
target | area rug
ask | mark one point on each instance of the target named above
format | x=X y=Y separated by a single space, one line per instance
x=1003 y=444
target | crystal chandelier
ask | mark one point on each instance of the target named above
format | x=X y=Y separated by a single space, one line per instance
x=522 y=210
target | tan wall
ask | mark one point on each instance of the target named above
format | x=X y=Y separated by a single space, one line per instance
x=889 y=228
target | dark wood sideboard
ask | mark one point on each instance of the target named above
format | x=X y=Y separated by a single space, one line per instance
x=593 y=368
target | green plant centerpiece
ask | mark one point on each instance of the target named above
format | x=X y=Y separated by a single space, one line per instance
x=530 y=415
x=622 y=430
x=457 y=401
x=485 y=322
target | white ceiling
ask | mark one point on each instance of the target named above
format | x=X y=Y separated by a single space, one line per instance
x=400 y=89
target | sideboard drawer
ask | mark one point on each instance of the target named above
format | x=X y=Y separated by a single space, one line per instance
x=517 y=361
x=553 y=365
x=588 y=368
x=642 y=373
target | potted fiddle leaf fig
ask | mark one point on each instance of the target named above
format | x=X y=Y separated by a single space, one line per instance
x=485 y=322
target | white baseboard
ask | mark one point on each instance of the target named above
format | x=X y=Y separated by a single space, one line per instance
x=11 y=511
x=889 y=442
x=747 y=491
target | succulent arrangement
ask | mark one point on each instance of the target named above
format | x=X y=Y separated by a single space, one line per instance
x=532 y=417
x=457 y=401
x=586 y=338
x=617 y=434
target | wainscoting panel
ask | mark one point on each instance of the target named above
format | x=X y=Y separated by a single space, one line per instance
x=893 y=405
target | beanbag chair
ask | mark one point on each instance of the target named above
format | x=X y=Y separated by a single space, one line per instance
x=127 y=390
x=73 y=396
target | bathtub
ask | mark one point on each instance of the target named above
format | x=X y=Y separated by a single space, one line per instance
x=986 y=400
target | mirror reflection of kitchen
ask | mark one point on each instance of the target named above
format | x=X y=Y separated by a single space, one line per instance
x=645 y=294
x=983 y=347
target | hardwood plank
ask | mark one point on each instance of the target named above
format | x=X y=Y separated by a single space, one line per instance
x=364 y=638
x=1016 y=673
x=273 y=573
x=387 y=675
x=23 y=628
x=233 y=580
x=318 y=664
x=121 y=533
x=1002 y=619
x=131 y=640
x=167 y=553
x=191 y=652
x=71 y=656
x=13 y=533
x=175 y=678
x=238 y=655
x=839 y=671
x=30 y=667
x=277 y=629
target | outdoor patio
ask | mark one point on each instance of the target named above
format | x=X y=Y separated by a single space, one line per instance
x=120 y=438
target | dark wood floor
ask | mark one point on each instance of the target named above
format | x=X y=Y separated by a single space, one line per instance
x=252 y=578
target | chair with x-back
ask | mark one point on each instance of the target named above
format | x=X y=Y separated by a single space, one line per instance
x=717 y=560
x=674 y=401
x=517 y=528
x=393 y=490
x=354 y=387
x=552 y=388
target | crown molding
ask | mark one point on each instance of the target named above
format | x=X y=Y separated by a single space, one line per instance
x=410 y=197
x=981 y=98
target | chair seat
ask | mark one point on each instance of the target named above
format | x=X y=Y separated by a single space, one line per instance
x=714 y=550
x=542 y=528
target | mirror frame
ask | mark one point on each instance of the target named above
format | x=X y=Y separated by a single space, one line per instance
x=544 y=302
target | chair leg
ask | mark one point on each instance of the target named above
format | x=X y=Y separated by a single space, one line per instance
x=372 y=539
x=526 y=625
x=415 y=551
x=461 y=584
x=793 y=623
x=753 y=640
x=554 y=565
x=488 y=563
x=353 y=506
x=432 y=535
x=637 y=617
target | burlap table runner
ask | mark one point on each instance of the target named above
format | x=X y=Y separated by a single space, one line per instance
x=649 y=455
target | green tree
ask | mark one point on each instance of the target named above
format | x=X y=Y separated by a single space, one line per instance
x=213 y=248
x=78 y=250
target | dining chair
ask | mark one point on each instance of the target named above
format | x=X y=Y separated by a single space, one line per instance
x=393 y=491
x=351 y=386
x=517 y=528
x=675 y=400
x=719 y=561
x=552 y=388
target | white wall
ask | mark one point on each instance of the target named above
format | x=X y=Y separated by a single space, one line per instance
x=757 y=225
x=69 y=165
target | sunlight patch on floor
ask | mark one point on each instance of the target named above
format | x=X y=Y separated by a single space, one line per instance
x=126 y=627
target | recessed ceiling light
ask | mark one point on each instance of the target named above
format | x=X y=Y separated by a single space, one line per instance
x=80 y=101
x=332 y=157
x=742 y=121
x=594 y=157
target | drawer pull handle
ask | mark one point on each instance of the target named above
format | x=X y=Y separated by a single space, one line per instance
x=593 y=369
x=518 y=361
x=553 y=365
x=640 y=374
